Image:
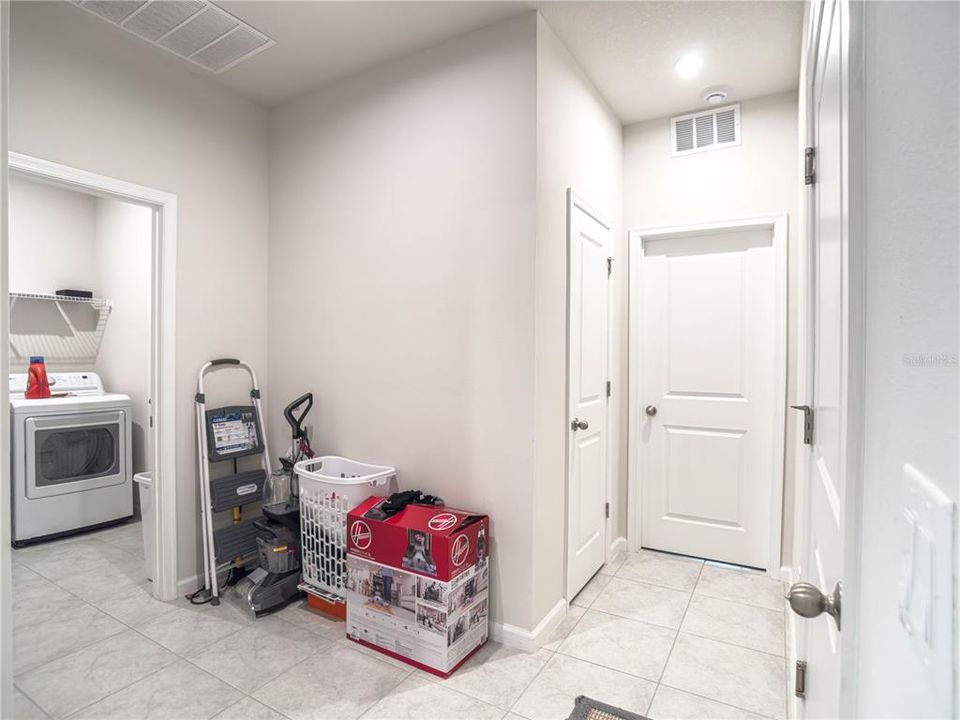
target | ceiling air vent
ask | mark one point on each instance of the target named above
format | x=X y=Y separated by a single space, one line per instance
x=196 y=30
x=708 y=130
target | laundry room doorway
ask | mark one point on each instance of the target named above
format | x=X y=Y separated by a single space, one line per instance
x=100 y=448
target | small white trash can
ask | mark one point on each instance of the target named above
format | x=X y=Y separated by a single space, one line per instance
x=148 y=521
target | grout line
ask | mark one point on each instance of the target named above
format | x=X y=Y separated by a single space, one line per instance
x=739 y=602
x=732 y=644
x=677 y=635
x=719 y=702
x=118 y=690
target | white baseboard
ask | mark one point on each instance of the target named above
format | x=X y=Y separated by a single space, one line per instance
x=188 y=585
x=793 y=709
x=530 y=640
x=618 y=545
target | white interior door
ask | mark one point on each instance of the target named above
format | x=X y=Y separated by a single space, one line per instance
x=818 y=638
x=589 y=249
x=711 y=397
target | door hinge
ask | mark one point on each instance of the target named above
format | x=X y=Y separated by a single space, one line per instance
x=800 y=679
x=609 y=266
x=809 y=166
x=606 y=509
x=151 y=421
x=609 y=388
x=807 y=422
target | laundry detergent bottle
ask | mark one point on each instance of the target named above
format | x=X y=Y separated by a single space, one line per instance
x=38 y=386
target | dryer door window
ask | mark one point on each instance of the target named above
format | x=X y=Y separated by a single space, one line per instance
x=73 y=453
x=68 y=455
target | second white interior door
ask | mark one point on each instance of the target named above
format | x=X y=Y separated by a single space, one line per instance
x=707 y=410
x=587 y=417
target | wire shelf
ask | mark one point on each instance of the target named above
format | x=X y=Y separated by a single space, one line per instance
x=60 y=328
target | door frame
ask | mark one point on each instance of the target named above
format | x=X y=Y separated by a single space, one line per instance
x=777 y=223
x=163 y=339
x=576 y=201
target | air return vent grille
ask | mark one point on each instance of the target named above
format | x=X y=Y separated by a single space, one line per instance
x=708 y=130
x=196 y=30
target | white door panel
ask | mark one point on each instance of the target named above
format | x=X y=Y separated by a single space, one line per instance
x=590 y=243
x=708 y=347
x=819 y=638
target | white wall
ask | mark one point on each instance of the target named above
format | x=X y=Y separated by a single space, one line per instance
x=122 y=248
x=579 y=146
x=52 y=232
x=761 y=176
x=910 y=87
x=85 y=95
x=402 y=227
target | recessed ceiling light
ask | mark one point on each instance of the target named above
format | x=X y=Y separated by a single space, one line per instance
x=716 y=94
x=689 y=65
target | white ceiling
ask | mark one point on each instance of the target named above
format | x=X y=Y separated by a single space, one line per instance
x=629 y=49
x=318 y=42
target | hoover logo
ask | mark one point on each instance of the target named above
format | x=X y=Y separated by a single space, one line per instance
x=442 y=521
x=459 y=550
x=360 y=534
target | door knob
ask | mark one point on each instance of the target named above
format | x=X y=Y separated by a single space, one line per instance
x=579 y=424
x=807 y=601
x=650 y=410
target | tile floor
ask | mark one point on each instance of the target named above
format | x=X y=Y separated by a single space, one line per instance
x=659 y=635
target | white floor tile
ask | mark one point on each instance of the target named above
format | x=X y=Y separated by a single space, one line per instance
x=729 y=674
x=615 y=562
x=417 y=698
x=54 y=560
x=135 y=606
x=178 y=691
x=741 y=585
x=655 y=568
x=36 y=599
x=187 y=630
x=746 y=625
x=258 y=653
x=370 y=652
x=335 y=683
x=127 y=537
x=592 y=589
x=302 y=615
x=639 y=601
x=626 y=645
x=496 y=674
x=105 y=581
x=574 y=613
x=25 y=709
x=670 y=704
x=46 y=639
x=248 y=709
x=74 y=681
x=551 y=695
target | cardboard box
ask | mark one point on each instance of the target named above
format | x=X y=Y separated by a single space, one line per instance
x=417 y=583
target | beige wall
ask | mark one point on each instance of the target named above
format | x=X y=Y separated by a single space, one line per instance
x=85 y=95
x=402 y=228
x=579 y=146
x=759 y=177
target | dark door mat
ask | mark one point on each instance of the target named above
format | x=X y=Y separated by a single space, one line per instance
x=586 y=709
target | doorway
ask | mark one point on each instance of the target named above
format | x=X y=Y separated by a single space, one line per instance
x=707 y=390
x=118 y=206
x=588 y=443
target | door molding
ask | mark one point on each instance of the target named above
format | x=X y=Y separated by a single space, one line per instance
x=777 y=223
x=576 y=201
x=163 y=338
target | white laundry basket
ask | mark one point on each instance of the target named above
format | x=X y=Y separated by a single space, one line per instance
x=331 y=486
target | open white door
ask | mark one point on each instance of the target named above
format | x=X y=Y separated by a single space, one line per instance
x=589 y=250
x=822 y=568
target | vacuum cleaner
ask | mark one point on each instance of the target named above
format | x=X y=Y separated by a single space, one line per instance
x=274 y=584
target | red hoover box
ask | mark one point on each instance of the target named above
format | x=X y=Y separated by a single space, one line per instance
x=417 y=583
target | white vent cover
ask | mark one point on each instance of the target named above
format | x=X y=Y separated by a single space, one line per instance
x=708 y=130
x=196 y=30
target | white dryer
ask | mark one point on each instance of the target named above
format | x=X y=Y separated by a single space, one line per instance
x=71 y=461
